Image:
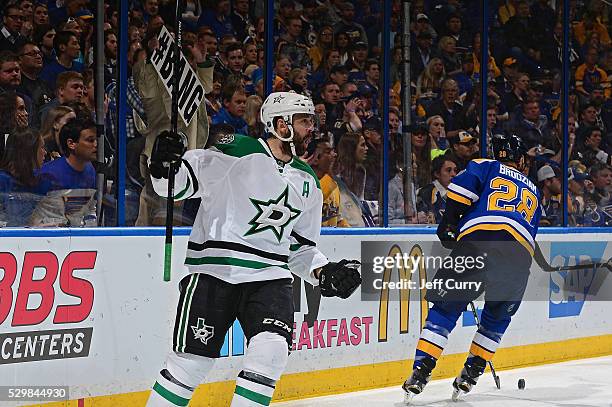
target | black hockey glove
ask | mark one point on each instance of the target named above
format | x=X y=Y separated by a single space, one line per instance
x=340 y=279
x=447 y=234
x=167 y=152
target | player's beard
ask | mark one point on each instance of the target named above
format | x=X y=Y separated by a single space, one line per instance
x=300 y=143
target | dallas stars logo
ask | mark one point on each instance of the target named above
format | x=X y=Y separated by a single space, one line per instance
x=278 y=99
x=202 y=331
x=273 y=215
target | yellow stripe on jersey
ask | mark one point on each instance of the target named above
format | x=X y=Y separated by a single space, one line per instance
x=430 y=348
x=478 y=350
x=482 y=160
x=459 y=198
x=499 y=226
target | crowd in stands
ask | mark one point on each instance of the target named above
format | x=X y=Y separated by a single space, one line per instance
x=330 y=50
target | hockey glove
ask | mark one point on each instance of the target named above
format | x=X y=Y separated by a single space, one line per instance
x=447 y=234
x=339 y=279
x=167 y=152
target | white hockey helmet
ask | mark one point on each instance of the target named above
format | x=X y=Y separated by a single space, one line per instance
x=284 y=105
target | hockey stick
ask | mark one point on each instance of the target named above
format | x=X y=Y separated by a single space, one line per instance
x=495 y=376
x=546 y=267
x=174 y=128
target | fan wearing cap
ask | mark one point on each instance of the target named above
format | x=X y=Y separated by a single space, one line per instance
x=357 y=60
x=259 y=221
x=464 y=147
x=550 y=185
x=492 y=210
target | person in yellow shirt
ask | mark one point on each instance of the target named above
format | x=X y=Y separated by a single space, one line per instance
x=321 y=158
x=590 y=23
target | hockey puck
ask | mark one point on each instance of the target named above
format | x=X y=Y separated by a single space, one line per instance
x=521 y=384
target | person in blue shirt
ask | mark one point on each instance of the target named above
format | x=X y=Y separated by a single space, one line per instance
x=234 y=107
x=21 y=186
x=67 y=49
x=492 y=216
x=75 y=170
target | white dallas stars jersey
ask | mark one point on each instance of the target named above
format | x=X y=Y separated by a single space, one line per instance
x=258 y=220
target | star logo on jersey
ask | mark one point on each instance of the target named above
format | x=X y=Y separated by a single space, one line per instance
x=273 y=215
x=278 y=99
x=202 y=331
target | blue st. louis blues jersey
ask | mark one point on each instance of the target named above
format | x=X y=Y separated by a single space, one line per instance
x=500 y=198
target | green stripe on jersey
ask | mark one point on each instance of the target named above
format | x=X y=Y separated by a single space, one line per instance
x=251 y=395
x=295 y=247
x=302 y=166
x=230 y=261
x=237 y=145
x=184 y=191
x=168 y=395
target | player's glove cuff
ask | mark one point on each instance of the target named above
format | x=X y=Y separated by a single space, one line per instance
x=340 y=279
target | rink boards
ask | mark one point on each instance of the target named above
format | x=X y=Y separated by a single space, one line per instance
x=89 y=309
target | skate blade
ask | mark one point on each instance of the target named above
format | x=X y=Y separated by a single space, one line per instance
x=408 y=396
x=457 y=394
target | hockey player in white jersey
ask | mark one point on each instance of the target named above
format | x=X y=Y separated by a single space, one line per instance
x=259 y=221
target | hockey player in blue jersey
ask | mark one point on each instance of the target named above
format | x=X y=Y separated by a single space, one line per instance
x=492 y=211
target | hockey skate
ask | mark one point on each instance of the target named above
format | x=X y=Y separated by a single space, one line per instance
x=468 y=377
x=420 y=377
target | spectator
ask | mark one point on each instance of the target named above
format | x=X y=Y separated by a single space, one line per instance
x=235 y=59
x=70 y=88
x=67 y=49
x=523 y=38
x=232 y=112
x=493 y=69
x=421 y=55
x=354 y=30
x=555 y=142
x=599 y=193
x=41 y=15
x=330 y=94
x=465 y=76
x=372 y=79
x=44 y=36
x=431 y=199
x=249 y=50
x=520 y=86
x=310 y=23
x=448 y=107
x=13 y=116
x=241 y=21
x=10 y=33
x=338 y=74
x=50 y=130
x=282 y=67
x=422 y=25
x=430 y=81
x=421 y=156
x=372 y=132
x=589 y=75
x=448 y=53
x=576 y=188
x=21 y=187
x=31 y=63
x=396 y=206
x=191 y=13
x=530 y=125
x=464 y=147
x=589 y=117
x=255 y=127
x=351 y=175
x=321 y=158
x=454 y=29
x=589 y=24
x=435 y=125
x=325 y=41
x=343 y=45
x=394 y=121
x=591 y=150
x=110 y=56
x=151 y=9
x=352 y=153
x=331 y=58
x=10 y=77
x=550 y=185
x=298 y=81
x=292 y=45
x=356 y=64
